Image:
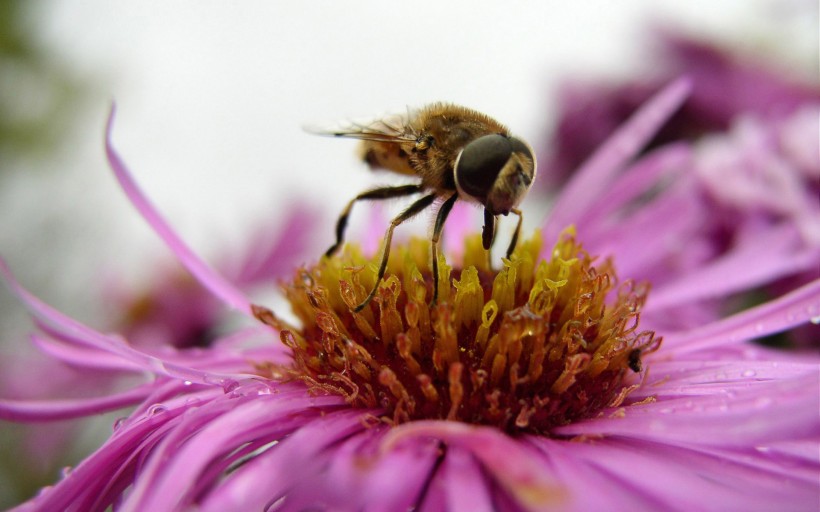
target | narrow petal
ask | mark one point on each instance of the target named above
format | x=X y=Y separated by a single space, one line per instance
x=203 y=439
x=83 y=357
x=209 y=278
x=638 y=475
x=596 y=174
x=767 y=257
x=52 y=410
x=729 y=405
x=56 y=323
x=790 y=310
x=661 y=164
x=503 y=458
x=463 y=482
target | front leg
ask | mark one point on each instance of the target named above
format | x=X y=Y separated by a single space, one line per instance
x=410 y=212
x=488 y=236
x=376 y=193
x=443 y=212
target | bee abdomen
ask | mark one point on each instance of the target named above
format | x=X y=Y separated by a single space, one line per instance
x=389 y=156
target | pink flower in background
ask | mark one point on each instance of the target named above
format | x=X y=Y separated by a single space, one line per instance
x=724 y=87
x=174 y=309
x=546 y=385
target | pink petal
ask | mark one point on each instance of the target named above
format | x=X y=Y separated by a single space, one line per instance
x=209 y=278
x=795 y=308
x=505 y=460
x=770 y=255
x=51 y=410
x=58 y=324
x=595 y=176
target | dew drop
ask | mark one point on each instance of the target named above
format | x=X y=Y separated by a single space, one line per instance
x=763 y=449
x=65 y=471
x=815 y=320
x=749 y=373
x=276 y=504
x=119 y=423
x=187 y=383
x=156 y=409
x=230 y=385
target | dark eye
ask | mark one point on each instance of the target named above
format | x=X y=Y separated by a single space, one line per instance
x=480 y=162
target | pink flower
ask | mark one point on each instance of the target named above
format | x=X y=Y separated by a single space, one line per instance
x=703 y=421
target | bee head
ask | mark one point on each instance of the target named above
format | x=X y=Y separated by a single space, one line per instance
x=496 y=171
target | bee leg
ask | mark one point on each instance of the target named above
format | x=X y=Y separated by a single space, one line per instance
x=514 y=240
x=488 y=236
x=443 y=212
x=410 y=212
x=376 y=193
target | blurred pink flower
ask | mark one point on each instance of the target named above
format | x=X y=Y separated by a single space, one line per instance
x=725 y=85
x=711 y=422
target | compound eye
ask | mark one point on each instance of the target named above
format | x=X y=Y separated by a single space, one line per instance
x=480 y=162
x=522 y=148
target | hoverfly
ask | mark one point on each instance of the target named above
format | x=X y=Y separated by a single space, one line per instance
x=457 y=153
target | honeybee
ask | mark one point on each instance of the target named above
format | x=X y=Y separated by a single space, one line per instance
x=457 y=153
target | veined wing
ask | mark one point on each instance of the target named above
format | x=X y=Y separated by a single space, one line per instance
x=389 y=128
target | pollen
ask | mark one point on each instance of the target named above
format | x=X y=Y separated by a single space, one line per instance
x=533 y=345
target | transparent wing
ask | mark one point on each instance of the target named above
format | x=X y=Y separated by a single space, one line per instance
x=388 y=128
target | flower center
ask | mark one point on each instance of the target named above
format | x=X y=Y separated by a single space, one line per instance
x=532 y=346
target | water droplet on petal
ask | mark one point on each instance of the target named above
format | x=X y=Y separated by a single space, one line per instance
x=187 y=383
x=749 y=373
x=119 y=423
x=156 y=409
x=65 y=471
x=815 y=320
x=230 y=385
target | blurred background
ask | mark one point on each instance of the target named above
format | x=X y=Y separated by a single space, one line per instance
x=211 y=98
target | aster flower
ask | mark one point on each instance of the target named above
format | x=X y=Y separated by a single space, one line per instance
x=174 y=309
x=539 y=385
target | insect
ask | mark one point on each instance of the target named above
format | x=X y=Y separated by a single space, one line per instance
x=634 y=360
x=457 y=153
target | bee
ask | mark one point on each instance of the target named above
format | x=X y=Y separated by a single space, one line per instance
x=456 y=153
